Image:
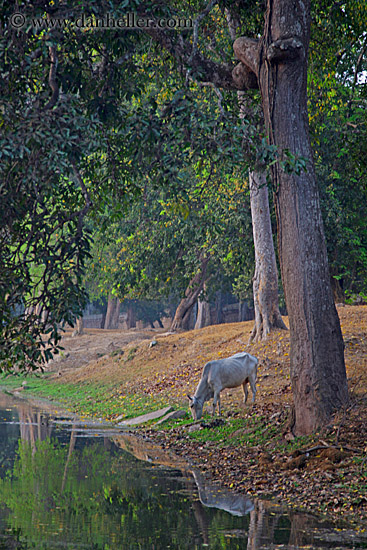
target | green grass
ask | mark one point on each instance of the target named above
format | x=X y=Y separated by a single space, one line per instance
x=85 y=399
x=250 y=431
x=253 y=430
x=131 y=354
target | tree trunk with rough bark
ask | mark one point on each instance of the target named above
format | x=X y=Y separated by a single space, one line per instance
x=279 y=60
x=182 y=316
x=265 y=281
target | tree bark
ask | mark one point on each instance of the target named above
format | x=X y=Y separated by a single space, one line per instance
x=116 y=314
x=318 y=373
x=265 y=281
x=203 y=317
x=184 y=308
x=131 y=317
x=113 y=312
x=218 y=308
x=80 y=326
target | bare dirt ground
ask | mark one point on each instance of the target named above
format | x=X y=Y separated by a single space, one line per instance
x=328 y=474
x=93 y=344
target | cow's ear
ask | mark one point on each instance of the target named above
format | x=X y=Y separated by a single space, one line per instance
x=191 y=399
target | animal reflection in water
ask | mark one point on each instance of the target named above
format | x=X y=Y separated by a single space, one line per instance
x=215 y=497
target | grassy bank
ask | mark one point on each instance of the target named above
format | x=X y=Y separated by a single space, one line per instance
x=95 y=400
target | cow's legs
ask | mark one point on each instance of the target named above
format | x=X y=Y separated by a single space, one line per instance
x=215 y=401
x=245 y=390
x=252 y=379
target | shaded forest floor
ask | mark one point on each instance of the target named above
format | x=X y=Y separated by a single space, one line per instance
x=250 y=450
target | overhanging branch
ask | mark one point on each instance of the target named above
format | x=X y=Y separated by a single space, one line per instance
x=247 y=51
x=286 y=49
x=52 y=79
x=52 y=75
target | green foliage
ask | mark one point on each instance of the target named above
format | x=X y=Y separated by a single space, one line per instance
x=43 y=246
x=193 y=202
x=53 y=150
x=337 y=104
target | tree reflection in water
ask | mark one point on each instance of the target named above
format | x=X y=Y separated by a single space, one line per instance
x=63 y=489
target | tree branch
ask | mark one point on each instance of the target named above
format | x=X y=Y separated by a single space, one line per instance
x=88 y=200
x=189 y=58
x=52 y=75
x=244 y=78
x=201 y=68
x=247 y=51
x=52 y=79
x=285 y=49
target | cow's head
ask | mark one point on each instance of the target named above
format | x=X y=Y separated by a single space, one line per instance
x=196 y=407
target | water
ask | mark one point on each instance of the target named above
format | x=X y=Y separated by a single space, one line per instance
x=71 y=485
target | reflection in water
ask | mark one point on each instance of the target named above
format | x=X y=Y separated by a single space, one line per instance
x=60 y=488
x=213 y=497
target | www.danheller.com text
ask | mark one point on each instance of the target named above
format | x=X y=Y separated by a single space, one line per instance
x=128 y=21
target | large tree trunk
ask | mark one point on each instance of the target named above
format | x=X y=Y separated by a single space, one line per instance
x=265 y=281
x=218 y=319
x=182 y=316
x=113 y=312
x=318 y=373
x=131 y=317
x=79 y=328
x=203 y=316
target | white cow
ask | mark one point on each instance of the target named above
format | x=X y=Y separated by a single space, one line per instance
x=230 y=372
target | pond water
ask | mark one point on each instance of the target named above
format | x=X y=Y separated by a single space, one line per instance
x=69 y=484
